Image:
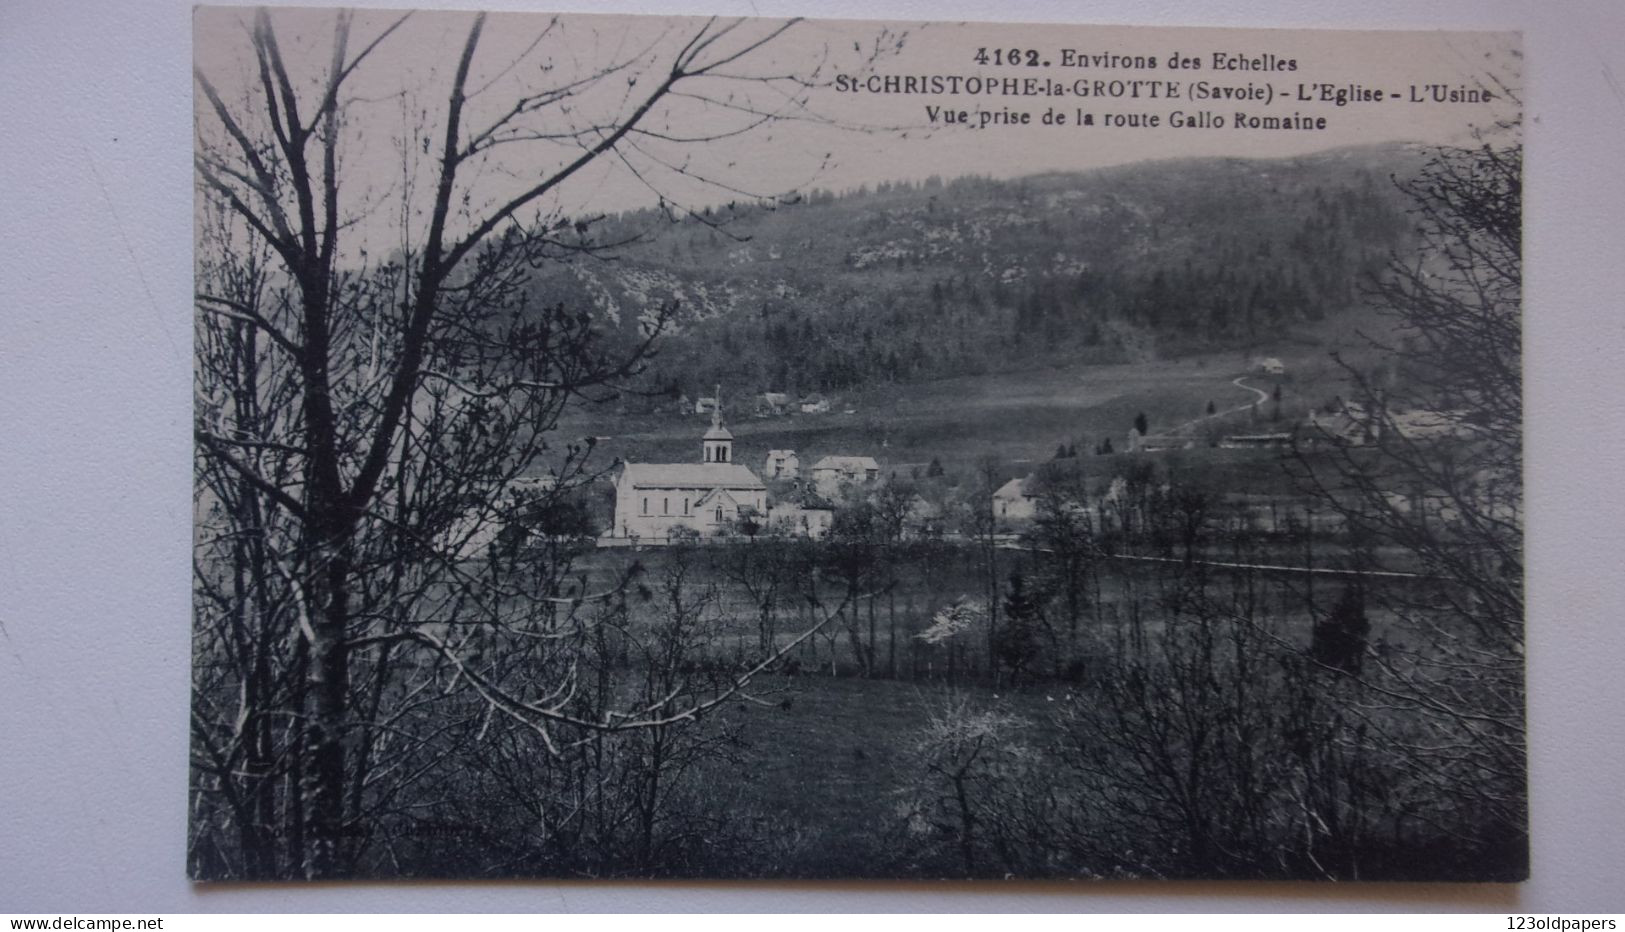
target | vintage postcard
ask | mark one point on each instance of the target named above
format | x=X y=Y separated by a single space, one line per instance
x=746 y=448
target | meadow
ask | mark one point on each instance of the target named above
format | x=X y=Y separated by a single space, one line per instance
x=823 y=767
x=1016 y=418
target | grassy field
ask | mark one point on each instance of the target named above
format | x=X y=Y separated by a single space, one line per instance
x=822 y=768
x=1017 y=417
x=816 y=775
x=919 y=583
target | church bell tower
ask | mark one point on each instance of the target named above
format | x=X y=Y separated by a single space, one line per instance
x=718 y=442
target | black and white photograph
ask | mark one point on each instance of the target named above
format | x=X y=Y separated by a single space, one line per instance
x=667 y=447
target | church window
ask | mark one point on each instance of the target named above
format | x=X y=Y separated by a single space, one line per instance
x=719 y=514
x=665 y=506
x=645 y=506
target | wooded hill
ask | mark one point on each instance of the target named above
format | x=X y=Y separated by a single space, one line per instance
x=915 y=281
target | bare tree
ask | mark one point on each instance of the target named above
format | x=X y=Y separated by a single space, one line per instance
x=770 y=573
x=1433 y=486
x=361 y=416
x=961 y=782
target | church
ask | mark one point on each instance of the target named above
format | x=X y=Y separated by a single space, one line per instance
x=655 y=500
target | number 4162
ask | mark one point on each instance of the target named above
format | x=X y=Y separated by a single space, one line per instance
x=1028 y=57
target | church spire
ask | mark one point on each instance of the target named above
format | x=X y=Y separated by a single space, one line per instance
x=718 y=442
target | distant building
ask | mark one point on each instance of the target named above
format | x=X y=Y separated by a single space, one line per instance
x=772 y=404
x=533 y=485
x=705 y=405
x=472 y=535
x=782 y=464
x=832 y=472
x=1157 y=443
x=654 y=500
x=1269 y=365
x=1351 y=426
x=1014 y=501
x=801 y=519
x=814 y=404
x=1256 y=441
x=1427 y=424
x=923 y=519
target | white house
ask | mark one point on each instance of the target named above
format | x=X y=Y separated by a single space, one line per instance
x=772 y=404
x=801 y=519
x=654 y=500
x=832 y=472
x=923 y=519
x=782 y=464
x=1269 y=365
x=1014 y=501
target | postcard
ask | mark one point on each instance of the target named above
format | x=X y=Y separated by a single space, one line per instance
x=749 y=448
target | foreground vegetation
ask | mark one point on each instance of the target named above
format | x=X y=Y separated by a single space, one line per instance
x=1128 y=686
x=1109 y=704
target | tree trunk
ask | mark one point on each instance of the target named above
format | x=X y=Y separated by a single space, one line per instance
x=329 y=679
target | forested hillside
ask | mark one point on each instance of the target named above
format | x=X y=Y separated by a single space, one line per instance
x=905 y=282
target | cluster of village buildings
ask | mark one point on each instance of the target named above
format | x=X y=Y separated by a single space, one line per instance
x=768 y=404
x=718 y=496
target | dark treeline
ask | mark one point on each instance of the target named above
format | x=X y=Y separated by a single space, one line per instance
x=921 y=281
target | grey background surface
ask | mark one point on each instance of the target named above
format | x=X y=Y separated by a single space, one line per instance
x=95 y=499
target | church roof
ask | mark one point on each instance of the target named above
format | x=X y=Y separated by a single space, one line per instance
x=691 y=476
x=718 y=432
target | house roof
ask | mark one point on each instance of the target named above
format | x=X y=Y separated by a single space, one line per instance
x=718 y=432
x=845 y=463
x=784 y=508
x=920 y=510
x=1279 y=437
x=805 y=499
x=1015 y=488
x=690 y=476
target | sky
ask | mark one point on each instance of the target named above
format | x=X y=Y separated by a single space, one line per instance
x=792 y=108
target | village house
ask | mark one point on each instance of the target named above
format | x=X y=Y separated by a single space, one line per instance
x=810 y=518
x=772 y=404
x=923 y=519
x=814 y=404
x=1015 y=501
x=1157 y=443
x=1351 y=425
x=1278 y=440
x=832 y=472
x=1428 y=424
x=654 y=500
x=782 y=464
x=476 y=531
